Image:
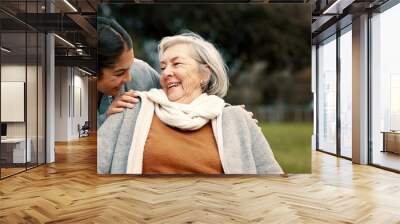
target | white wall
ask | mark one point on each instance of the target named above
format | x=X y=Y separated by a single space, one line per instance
x=12 y=101
x=33 y=127
x=71 y=102
x=16 y=73
x=80 y=110
x=13 y=73
x=61 y=103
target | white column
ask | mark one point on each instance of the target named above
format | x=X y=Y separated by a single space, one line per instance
x=50 y=92
x=360 y=90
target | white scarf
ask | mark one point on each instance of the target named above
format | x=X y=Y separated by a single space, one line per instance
x=186 y=116
x=191 y=116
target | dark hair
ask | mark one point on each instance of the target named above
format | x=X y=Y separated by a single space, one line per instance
x=112 y=40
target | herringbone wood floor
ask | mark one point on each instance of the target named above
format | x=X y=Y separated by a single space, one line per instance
x=70 y=191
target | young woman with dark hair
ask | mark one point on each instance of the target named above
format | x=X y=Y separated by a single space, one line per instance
x=119 y=71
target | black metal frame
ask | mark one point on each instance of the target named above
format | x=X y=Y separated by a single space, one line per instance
x=44 y=73
x=0 y=89
x=369 y=90
x=339 y=32
x=338 y=98
x=45 y=87
x=316 y=97
x=25 y=89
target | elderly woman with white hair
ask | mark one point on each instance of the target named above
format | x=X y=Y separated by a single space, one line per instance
x=185 y=127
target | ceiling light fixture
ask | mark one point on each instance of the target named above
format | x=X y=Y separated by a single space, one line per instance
x=86 y=72
x=337 y=7
x=5 y=49
x=65 y=41
x=70 y=5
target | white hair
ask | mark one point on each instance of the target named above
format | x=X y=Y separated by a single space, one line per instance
x=205 y=53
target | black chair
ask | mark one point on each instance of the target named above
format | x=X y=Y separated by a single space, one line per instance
x=84 y=130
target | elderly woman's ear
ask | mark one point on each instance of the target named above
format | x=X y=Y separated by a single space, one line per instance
x=206 y=72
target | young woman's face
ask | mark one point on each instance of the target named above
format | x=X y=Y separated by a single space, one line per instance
x=112 y=79
x=180 y=75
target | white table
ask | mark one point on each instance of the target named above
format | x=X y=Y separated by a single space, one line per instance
x=18 y=145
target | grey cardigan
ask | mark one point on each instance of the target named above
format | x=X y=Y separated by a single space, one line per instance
x=246 y=150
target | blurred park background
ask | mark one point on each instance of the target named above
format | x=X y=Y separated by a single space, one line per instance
x=267 y=49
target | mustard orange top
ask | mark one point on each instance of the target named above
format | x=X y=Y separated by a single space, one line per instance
x=170 y=150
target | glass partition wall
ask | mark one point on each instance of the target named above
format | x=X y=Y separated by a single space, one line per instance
x=385 y=89
x=334 y=83
x=345 y=61
x=13 y=87
x=334 y=100
x=22 y=87
x=326 y=60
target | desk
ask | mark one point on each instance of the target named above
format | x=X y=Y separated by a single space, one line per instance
x=15 y=148
x=391 y=141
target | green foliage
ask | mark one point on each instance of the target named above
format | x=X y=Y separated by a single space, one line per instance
x=291 y=144
x=245 y=33
x=264 y=45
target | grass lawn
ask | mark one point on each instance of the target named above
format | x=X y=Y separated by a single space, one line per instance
x=291 y=144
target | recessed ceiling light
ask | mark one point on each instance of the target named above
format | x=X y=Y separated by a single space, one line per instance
x=70 y=5
x=86 y=72
x=5 y=50
x=64 y=40
x=337 y=7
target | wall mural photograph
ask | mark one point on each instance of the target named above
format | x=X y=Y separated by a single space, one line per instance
x=223 y=89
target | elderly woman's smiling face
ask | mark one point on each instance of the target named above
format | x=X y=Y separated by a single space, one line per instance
x=180 y=74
